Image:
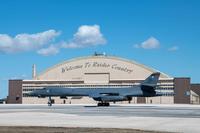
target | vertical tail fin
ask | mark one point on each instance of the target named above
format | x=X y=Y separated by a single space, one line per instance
x=152 y=80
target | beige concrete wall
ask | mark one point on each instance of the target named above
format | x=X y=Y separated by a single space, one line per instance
x=160 y=100
x=86 y=100
x=69 y=100
x=96 y=78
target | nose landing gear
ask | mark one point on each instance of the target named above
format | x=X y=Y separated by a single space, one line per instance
x=49 y=102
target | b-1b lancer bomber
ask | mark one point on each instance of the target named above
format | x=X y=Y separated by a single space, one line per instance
x=106 y=94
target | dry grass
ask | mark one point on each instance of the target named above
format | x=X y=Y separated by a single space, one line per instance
x=12 y=129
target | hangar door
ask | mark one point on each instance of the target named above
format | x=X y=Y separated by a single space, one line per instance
x=92 y=78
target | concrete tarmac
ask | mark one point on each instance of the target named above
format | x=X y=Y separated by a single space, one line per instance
x=172 y=118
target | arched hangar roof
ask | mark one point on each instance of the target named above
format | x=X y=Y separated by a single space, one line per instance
x=117 y=68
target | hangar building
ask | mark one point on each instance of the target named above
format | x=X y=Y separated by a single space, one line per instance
x=101 y=71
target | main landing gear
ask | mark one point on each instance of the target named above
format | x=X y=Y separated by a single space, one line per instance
x=103 y=104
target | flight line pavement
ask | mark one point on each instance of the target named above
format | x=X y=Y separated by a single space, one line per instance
x=172 y=118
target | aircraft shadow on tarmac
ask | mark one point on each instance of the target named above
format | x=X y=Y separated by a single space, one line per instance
x=112 y=106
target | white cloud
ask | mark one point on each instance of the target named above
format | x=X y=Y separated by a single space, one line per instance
x=23 y=76
x=51 y=50
x=150 y=43
x=26 y=42
x=174 y=48
x=86 y=36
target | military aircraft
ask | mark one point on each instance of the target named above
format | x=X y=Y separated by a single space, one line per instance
x=106 y=94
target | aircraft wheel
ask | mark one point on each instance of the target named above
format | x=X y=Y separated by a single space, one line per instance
x=99 y=104
x=103 y=104
x=49 y=104
x=107 y=104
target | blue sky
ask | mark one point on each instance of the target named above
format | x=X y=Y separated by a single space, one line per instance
x=161 y=34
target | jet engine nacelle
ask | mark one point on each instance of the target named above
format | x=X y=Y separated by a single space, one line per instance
x=112 y=98
x=63 y=97
x=41 y=96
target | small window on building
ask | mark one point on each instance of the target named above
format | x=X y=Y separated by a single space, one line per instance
x=17 y=98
